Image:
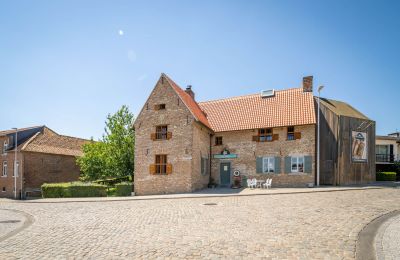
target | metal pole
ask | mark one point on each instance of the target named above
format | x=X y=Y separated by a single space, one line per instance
x=15 y=163
x=319 y=97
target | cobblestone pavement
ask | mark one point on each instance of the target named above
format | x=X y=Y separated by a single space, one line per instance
x=387 y=241
x=287 y=226
x=9 y=221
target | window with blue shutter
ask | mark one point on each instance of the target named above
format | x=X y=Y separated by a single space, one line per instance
x=288 y=164
x=308 y=164
x=259 y=165
x=277 y=165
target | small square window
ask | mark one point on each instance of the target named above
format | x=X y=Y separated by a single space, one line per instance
x=290 y=133
x=4 y=189
x=218 y=140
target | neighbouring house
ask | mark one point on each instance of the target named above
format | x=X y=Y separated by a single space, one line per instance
x=387 y=151
x=347 y=145
x=42 y=156
x=182 y=145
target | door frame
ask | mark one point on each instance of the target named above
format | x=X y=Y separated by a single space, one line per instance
x=230 y=172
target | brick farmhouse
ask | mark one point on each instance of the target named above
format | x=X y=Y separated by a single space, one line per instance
x=43 y=156
x=182 y=145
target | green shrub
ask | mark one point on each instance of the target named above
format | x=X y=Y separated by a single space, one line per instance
x=123 y=189
x=73 y=190
x=386 y=176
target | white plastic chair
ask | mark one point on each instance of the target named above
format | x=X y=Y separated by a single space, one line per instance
x=252 y=183
x=249 y=183
x=268 y=184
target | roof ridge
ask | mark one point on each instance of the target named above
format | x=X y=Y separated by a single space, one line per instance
x=243 y=96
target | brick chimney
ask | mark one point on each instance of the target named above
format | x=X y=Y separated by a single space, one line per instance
x=190 y=91
x=308 y=84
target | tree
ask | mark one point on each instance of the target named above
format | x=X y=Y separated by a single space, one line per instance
x=113 y=155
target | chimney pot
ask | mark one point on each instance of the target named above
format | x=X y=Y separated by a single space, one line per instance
x=190 y=91
x=308 y=84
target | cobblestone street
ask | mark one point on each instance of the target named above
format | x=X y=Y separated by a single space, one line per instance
x=285 y=226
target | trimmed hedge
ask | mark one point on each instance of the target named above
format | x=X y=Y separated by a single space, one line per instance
x=123 y=189
x=73 y=190
x=386 y=176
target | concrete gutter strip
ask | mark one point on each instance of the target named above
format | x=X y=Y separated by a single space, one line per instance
x=195 y=195
x=29 y=219
x=365 y=246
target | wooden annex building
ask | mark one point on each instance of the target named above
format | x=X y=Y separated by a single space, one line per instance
x=347 y=145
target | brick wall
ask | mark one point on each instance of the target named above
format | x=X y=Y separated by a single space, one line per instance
x=201 y=148
x=240 y=143
x=7 y=182
x=178 y=149
x=50 y=168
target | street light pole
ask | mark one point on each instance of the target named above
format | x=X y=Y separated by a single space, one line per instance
x=15 y=162
x=318 y=135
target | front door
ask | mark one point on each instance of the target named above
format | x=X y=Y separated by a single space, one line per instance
x=225 y=173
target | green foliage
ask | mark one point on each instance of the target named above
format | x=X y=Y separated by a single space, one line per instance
x=113 y=156
x=73 y=189
x=123 y=189
x=386 y=176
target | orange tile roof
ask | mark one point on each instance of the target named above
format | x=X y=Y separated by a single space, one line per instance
x=53 y=143
x=286 y=108
x=190 y=103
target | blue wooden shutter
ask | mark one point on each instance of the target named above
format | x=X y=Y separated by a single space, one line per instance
x=288 y=164
x=202 y=165
x=259 y=165
x=277 y=165
x=307 y=164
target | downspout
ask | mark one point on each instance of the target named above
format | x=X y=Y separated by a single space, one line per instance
x=209 y=178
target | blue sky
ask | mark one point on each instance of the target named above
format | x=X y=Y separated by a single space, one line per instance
x=65 y=64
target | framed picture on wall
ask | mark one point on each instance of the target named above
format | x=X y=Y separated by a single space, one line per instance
x=359 y=146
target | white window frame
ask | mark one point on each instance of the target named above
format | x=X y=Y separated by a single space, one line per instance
x=296 y=160
x=266 y=163
x=5 y=146
x=4 y=171
x=17 y=169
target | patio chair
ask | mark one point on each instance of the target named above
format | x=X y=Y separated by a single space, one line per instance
x=268 y=184
x=252 y=183
x=249 y=183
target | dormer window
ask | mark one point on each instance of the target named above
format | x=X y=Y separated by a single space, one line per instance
x=5 y=146
x=159 y=107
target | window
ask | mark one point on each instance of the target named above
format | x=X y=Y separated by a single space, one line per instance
x=161 y=164
x=265 y=134
x=382 y=149
x=268 y=164
x=4 y=189
x=4 y=169
x=5 y=146
x=297 y=163
x=204 y=165
x=290 y=133
x=218 y=140
x=17 y=169
x=159 y=107
x=161 y=132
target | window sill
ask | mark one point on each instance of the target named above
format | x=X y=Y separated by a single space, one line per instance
x=3 y=176
x=297 y=173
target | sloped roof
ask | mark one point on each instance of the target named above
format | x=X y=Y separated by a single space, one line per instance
x=285 y=108
x=11 y=131
x=342 y=109
x=53 y=143
x=191 y=104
